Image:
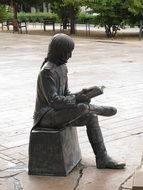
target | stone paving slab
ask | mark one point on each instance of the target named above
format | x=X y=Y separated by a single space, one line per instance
x=114 y=64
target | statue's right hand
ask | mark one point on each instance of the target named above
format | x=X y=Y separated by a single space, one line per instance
x=82 y=98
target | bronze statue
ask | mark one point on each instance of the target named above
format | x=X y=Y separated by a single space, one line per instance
x=56 y=107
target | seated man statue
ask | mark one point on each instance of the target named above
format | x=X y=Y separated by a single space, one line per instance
x=56 y=107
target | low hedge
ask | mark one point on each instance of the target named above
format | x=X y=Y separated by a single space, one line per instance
x=40 y=16
x=37 y=17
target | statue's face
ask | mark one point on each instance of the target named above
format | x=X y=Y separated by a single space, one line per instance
x=69 y=55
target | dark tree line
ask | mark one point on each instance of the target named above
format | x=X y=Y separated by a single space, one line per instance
x=113 y=14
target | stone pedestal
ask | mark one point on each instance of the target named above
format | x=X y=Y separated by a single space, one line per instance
x=138 y=180
x=53 y=152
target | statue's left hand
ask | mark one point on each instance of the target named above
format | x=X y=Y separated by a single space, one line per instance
x=93 y=91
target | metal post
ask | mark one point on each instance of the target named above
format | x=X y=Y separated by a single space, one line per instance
x=141 y=29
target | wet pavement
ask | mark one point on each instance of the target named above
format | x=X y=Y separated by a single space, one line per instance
x=115 y=64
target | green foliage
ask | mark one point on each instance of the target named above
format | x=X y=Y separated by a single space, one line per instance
x=136 y=7
x=110 y=12
x=82 y=17
x=114 y=14
x=63 y=8
x=29 y=2
x=37 y=17
x=4 y=13
x=72 y=2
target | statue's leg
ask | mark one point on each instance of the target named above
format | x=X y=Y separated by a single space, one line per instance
x=62 y=118
x=96 y=139
x=103 y=160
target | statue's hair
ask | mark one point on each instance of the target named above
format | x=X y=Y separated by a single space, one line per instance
x=45 y=61
x=59 y=47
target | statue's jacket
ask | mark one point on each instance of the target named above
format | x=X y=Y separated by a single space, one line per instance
x=52 y=91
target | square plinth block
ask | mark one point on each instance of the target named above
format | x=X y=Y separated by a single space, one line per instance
x=138 y=179
x=53 y=152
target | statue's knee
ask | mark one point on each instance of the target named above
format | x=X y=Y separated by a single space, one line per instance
x=92 y=120
x=83 y=108
x=92 y=116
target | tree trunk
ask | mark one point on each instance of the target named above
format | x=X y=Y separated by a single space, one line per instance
x=108 y=31
x=72 y=20
x=15 y=22
x=111 y=30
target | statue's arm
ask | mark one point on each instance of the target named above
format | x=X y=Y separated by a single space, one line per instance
x=48 y=86
x=67 y=91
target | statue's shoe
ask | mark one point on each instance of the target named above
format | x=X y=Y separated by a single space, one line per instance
x=102 y=110
x=109 y=163
x=106 y=111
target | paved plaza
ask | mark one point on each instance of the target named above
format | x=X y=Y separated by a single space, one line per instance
x=115 y=64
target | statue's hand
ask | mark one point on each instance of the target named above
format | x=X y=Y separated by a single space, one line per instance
x=102 y=87
x=86 y=94
x=93 y=91
x=82 y=98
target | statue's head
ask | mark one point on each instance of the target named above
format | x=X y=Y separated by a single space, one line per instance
x=60 y=49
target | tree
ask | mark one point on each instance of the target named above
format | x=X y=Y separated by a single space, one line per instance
x=73 y=10
x=110 y=14
x=68 y=9
x=114 y=14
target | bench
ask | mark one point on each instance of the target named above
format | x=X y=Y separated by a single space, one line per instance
x=21 y=25
x=7 y=24
x=53 y=152
x=48 y=22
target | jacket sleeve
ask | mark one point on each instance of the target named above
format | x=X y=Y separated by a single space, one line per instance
x=67 y=91
x=47 y=82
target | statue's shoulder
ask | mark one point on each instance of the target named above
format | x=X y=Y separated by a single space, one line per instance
x=49 y=67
